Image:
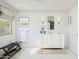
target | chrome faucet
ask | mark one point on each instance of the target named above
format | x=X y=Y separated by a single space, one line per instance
x=43 y=31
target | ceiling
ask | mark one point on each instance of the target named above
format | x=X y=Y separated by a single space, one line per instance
x=40 y=5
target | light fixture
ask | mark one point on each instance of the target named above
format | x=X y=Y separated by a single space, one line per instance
x=59 y=20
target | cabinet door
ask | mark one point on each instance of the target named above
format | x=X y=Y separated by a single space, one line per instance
x=45 y=42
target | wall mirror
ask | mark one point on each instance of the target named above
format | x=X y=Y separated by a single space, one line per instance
x=51 y=22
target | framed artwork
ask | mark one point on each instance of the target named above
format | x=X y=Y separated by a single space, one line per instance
x=24 y=21
x=5 y=26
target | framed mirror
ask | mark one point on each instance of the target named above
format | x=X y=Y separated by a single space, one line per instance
x=51 y=22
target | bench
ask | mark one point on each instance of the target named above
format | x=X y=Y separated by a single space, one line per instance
x=10 y=50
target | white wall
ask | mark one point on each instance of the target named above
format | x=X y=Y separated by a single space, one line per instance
x=6 y=39
x=73 y=29
x=34 y=25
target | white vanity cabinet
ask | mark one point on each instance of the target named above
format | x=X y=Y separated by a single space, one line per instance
x=52 y=40
x=53 y=36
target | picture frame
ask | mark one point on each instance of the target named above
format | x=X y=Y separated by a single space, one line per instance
x=23 y=21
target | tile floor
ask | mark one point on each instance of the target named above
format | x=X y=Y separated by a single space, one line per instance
x=31 y=53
